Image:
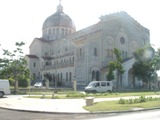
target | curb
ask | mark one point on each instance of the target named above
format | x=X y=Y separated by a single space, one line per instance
x=105 y=112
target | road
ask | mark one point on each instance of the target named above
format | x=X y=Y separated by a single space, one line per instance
x=21 y=115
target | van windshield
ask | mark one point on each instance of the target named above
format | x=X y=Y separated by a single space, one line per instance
x=92 y=84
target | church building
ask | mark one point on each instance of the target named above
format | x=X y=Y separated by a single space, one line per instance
x=67 y=54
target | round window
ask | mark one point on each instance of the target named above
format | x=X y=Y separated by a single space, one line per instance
x=122 y=40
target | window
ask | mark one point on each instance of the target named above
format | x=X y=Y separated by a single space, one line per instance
x=66 y=49
x=67 y=76
x=108 y=84
x=70 y=76
x=95 y=52
x=80 y=52
x=57 y=31
x=61 y=77
x=122 y=54
x=53 y=31
x=49 y=32
x=109 y=53
x=122 y=40
x=66 y=32
x=34 y=64
x=34 y=76
x=93 y=75
x=103 y=84
x=125 y=54
x=62 y=31
x=97 y=85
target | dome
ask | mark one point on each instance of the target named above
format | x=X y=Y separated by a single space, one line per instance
x=59 y=19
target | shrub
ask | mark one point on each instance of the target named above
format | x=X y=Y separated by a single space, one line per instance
x=133 y=101
x=130 y=101
x=23 y=83
x=136 y=100
x=121 y=101
x=75 y=95
x=142 y=99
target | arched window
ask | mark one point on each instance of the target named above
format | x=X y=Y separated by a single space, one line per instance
x=93 y=75
x=66 y=32
x=57 y=31
x=95 y=52
x=70 y=76
x=66 y=76
x=97 y=76
x=80 y=52
x=34 y=64
x=61 y=77
x=108 y=52
x=49 y=32
x=122 y=40
x=58 y=76
x=34 y=76
x=62 y=31
x=53 y=31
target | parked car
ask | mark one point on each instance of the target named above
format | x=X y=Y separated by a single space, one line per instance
x=38 y=85
x=99 y=86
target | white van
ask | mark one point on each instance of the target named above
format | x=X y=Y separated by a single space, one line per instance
x=4 y=87
x=99 y=86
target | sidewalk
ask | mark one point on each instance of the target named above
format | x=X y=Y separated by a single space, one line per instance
x=44 y=105
x=51 y=105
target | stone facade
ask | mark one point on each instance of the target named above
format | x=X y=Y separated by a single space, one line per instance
x=84 y=55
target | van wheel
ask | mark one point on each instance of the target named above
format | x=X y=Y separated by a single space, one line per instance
x=94 y=92
x=109 y=91
x=1 y=94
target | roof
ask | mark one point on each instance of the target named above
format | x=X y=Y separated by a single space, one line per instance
x=59 y=18
x=47 y=58
x=32 y=56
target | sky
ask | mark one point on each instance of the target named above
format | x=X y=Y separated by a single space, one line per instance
x=22 y=20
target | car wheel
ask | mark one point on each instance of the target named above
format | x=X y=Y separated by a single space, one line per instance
x=1 y=94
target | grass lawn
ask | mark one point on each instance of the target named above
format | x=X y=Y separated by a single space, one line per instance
x=72 y=94
x=115 y=106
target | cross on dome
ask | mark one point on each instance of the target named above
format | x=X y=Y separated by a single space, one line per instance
x=60 y=7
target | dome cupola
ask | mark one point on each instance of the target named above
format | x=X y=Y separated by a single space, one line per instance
x=58 y=25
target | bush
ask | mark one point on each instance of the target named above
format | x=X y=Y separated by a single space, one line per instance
x=121 y=101
x=142 y=99
x=76 y=95
x=23 y=83
x=130 y=101
x=137 y=100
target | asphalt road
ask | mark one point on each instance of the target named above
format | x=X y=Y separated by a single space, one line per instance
x=21 y=115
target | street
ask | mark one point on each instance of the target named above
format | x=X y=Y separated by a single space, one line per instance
x=21 y=115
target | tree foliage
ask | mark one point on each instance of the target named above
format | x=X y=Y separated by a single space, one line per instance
x=116 y=65
x=13 y=65
x=146 y=64
x=48 y=76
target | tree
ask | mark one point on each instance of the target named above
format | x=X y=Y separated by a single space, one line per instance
x=13 y=65
x=146 y=64
x=116 y=65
